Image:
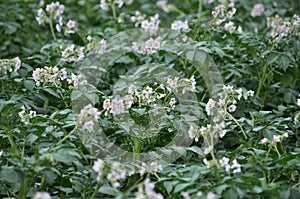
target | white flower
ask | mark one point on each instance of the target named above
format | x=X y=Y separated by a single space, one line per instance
x=36 y=74
x=207 y=163
x=70 y=54
x=264 y=141
x=42 y=195
x=191 y=132
x=232 y=108
x=180 y=25
x=185 y=195
x=101 y=47
x=230 y=27
x=75 y=79
x=1 y=153
x=210 y=104
x=119 y=3
x=224 y=162
x=250 y=93
x=208 y=150
x=106 y=104
x=210 y=195
x=55 y=9
x=89 y=125
x=240 y=29
x=257 y=10
x=236 y=166
x=172 y=101
x=98 y=166
x=104 y=5
x=163 y=5
x=228 y=88
x=223 y=133
x=199 y=193
x=71 y=24
x=117 y=106
x=298 y=101
x=57 y=26
x=276 y=138
x=132 y=89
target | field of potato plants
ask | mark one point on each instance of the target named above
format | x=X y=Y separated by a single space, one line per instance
x=150 y=99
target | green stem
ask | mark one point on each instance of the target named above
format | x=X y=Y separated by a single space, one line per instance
x=231 y=117
x=52 y=30
x=276 y=149
x=13 y=145
x=262 y=80
x=113 y=8
x=136 y=148
x=199 y=9
x=66 y=137
x=95 y=192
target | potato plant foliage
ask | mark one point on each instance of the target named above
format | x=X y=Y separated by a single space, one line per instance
x=150 y=99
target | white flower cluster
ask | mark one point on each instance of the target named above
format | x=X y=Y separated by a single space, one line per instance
x=298 y=101
x=231 y=28
x=42 y=195
x=49 y=76
x=223 y=11
x=146 y=190
x=219 y=108
x=151 y=168
x=25 y=115
x=76 y=80
x=116 y=172
x=70 y=27
x=257 y=10
x=276 y=138
x=137 y=18
x=281 y=28
x=70 y=54
x=87 y=118
x=163 y=4
x=183 y=84
x=101 y=47
x=149 y=96
x=151 y=26
x=151 y=46
x=180 y=25
x=54 y=11
x=104 y=4
x=235 y=167
x=98 y=167
x=114 y=106
x=9 y=65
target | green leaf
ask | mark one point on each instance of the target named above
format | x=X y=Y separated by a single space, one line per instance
x=230 y=193
x=50 y=176
x=106 y=189
x=181 y=187
x=52 y=92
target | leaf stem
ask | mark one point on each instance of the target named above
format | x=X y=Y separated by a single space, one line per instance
x=13 y=145
x=95 y=192
x=262 y=79
x=239 y=125
x=52 y=30
x=66 y=137
x=199 y=9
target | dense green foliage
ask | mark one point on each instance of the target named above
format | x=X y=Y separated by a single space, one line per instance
x=45 y=141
